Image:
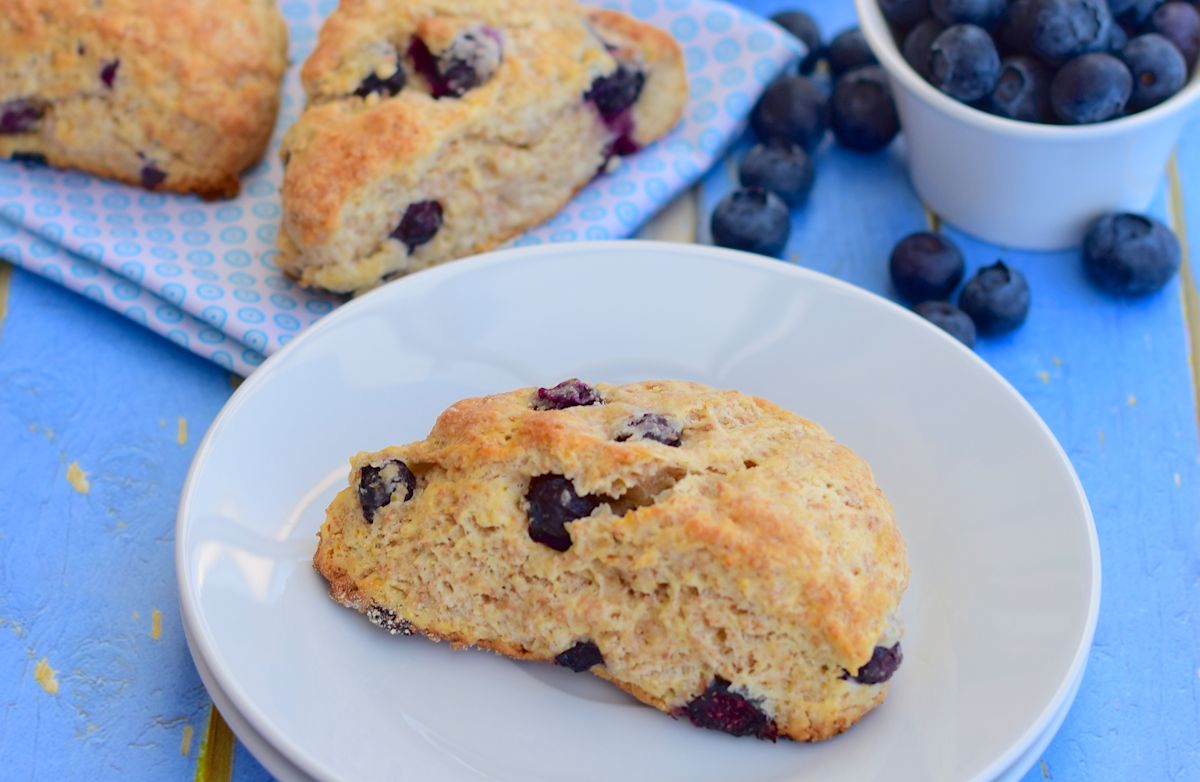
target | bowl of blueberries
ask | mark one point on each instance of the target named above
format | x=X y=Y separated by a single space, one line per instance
x=1026 y=119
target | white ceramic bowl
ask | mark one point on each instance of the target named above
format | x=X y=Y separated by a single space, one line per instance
x=1021 y=184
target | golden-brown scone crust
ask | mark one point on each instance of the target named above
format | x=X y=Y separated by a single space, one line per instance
x=758 y=551
x=176 y=95
x=503 y=156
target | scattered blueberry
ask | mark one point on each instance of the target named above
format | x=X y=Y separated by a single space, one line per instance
x=108 y=72
x=849 y=50
x=806 y=29
x=1136 y=13
x=1179 y=23
x=794 y=109
x=29 y=158
x=752 y=219
x=1130 y=255
x=719 y=709
x=1023 y=90
x=616 y=92
x=580 y=657
x=386 y=619
x=387 y=86
x=904 y=13
x=21 y=115
x=983 y=13
x=652 y=426
x=420 y=223
x=568 y=393
x=926 y=266
x=919 y=42
x=553 y=504
x=863 y=114
x=1091 y=88
x=949 y=319
x=964 y=63
x=377 y=486
x=996 y=298
x=1158 y=70
x=883 y=663
x=781 y=167
x=152 y=176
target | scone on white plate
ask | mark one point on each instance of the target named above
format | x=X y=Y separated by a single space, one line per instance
x=436 y=129
x=716 y=556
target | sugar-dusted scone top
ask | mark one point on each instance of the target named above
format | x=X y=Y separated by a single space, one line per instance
x=173 y=95
x=502 y=154
x=757 y=552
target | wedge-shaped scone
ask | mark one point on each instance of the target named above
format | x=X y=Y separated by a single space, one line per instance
x=717 y=557
x=176 y=95
x=440 y=128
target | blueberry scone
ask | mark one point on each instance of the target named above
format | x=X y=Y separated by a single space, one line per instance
x=172 y=95
x=440 y=128
x=716 y=556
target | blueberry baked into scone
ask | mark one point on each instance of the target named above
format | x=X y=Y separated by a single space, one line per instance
x=440 y=128
x=175 y=95
x=714 y=555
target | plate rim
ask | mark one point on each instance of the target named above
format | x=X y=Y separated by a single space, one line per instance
x=200 y=643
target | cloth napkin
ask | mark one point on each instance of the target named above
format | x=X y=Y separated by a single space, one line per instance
x=204 y=275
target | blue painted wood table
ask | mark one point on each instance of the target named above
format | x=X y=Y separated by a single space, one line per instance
x=99 y=420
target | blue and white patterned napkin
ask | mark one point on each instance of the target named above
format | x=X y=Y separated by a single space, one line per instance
x=203 y=274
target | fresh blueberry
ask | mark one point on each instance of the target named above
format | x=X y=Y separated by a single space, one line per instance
x=1179 y=23
x=949 y=319
x=1136 y=13
x=964 y=63
x=806 y=29
x=378 y=486
x=1057 y=30
x=718 y=708
x=1130 y=255
x=420 y=223
x=863 y=114
x=918 y=43
x=794 y=109
x=386 y=619
x=1158 y=70
x=580 y=657
x=21 y=115
x=926 y=266
x=782 y=167
x=29 y=158
x=553 y=504
x=152 y=176
x=652 y=426
x=387 y=86
x=996 y=298
x=1117 y=38
x=1091 y=88
x=752 y=219
x=568 y=393
x=470 y=60
x=883 y=663
x=903 y=14
x=108 y=72
x=983 y=13
x=849 y=50
x=1023 y=90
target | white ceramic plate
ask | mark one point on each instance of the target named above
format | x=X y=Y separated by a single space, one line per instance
x=1000 y=611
